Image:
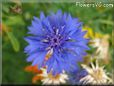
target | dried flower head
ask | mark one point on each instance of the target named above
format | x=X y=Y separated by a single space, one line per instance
x=96 y=75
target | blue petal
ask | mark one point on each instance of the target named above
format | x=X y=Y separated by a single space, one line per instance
x=34 y=45
x=39 y=60
x=56 y=20
x=76 y=33
x=32 y=57
x=49 y=66
x=33 y=49
x=82 y=45
x=42 y=16
x=34 y=41
x=79 y=43
x=36 y=28
x=54 y=68
x=59 y=13
x=80 y=52
x=46 y=25
x=67 y=61
x=74 y=26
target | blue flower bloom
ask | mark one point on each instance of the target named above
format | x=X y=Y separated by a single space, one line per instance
x=57 y=42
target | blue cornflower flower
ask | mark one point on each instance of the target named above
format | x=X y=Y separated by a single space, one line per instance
x=57 y=42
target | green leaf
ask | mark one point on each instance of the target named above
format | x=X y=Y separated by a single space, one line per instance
x=14 y=41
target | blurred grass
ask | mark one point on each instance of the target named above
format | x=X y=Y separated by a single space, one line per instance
x=100 y=19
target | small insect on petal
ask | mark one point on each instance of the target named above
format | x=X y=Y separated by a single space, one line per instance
x=49 y=53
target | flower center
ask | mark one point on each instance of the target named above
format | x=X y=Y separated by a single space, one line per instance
x=56 y=77
x=55 y=41
x=98 y=74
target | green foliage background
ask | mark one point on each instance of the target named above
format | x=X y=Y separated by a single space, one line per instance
x=13 y=57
